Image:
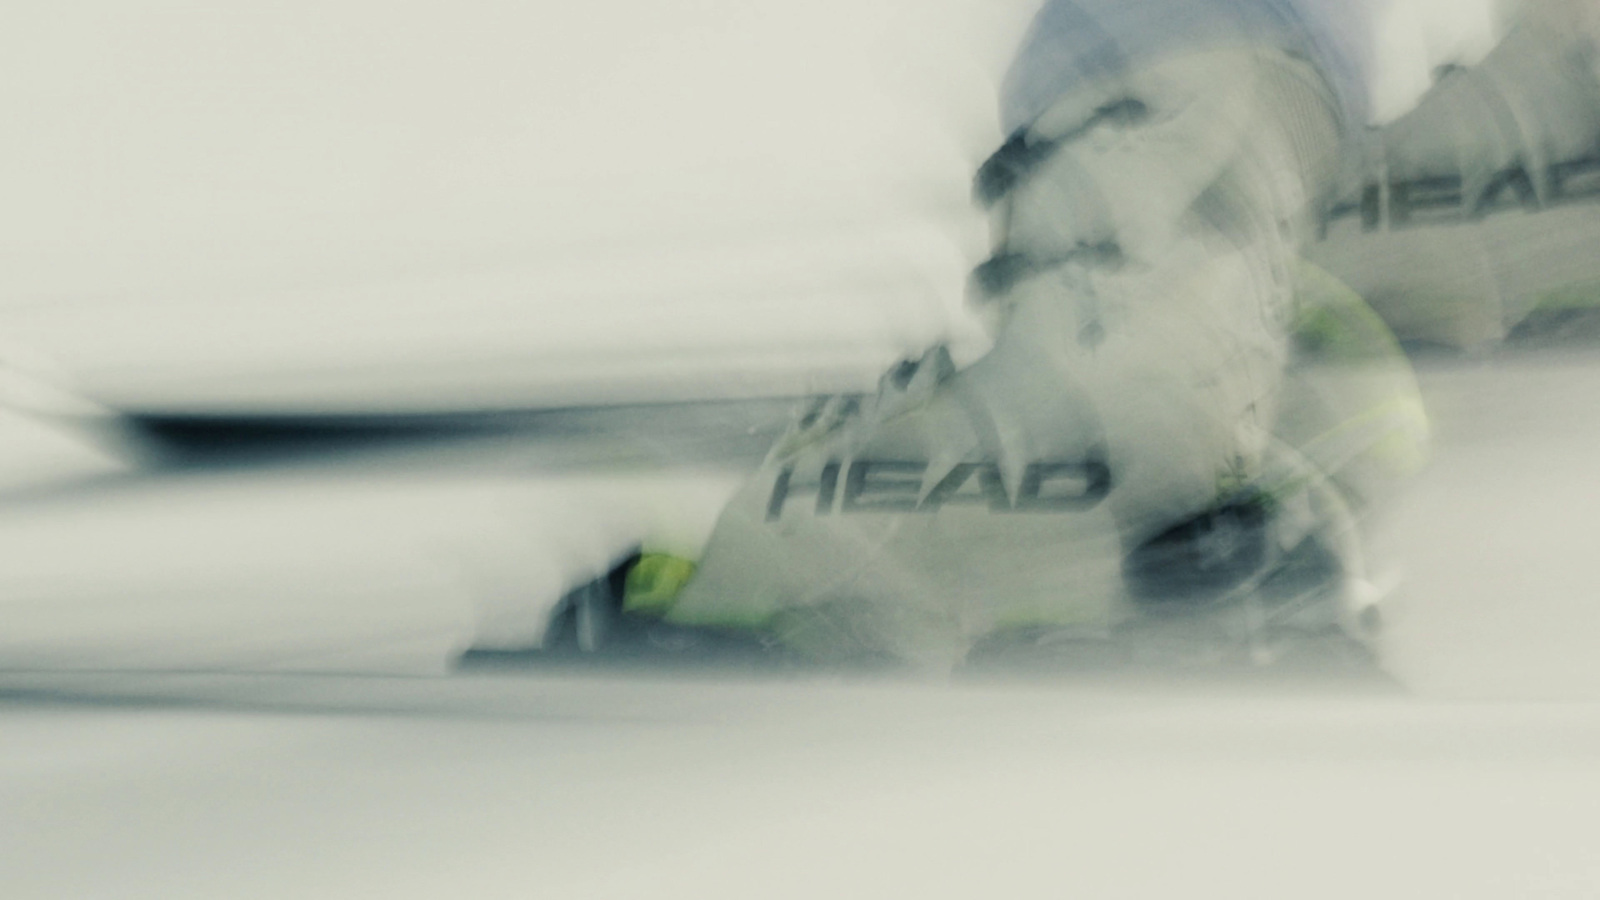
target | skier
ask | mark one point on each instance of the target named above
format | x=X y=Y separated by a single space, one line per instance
x=1173 y=444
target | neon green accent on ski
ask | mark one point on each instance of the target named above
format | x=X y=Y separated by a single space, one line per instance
x=655 y=582
x=1333 y=323
x=1335 y=327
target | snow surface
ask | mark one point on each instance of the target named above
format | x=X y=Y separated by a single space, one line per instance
x=514 y=786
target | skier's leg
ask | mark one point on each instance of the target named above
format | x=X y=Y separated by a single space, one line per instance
x=1142 y=292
